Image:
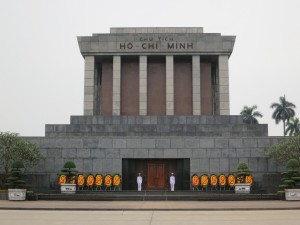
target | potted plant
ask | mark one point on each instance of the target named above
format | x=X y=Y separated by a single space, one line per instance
x=291 y=181
x=31 y=196
x=244 y=179
x=67 y=178
x=16 y=182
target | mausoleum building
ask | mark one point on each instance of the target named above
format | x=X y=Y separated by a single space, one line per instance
x=156 y=102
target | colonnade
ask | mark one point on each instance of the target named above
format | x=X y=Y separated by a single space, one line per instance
x=222 y=90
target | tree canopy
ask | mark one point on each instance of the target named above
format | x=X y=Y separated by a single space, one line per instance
x=283 y=111
x=249 y=114
x=293 y=127
x=14 y=148
x=283 y=152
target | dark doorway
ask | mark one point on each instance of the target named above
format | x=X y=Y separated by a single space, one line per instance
x=156 y=173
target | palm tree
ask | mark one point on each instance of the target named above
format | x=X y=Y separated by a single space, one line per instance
x=293 y=126
x=249 y=114
x=284 y=110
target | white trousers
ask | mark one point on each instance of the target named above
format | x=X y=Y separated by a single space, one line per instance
x=139 y=186
x=172 y=186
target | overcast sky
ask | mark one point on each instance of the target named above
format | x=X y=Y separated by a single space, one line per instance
x=41 y=68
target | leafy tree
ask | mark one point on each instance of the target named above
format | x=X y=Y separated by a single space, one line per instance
x=293 y=126
x=283 y=111
x=286 y=150
x=14 y=148
x=249 y=114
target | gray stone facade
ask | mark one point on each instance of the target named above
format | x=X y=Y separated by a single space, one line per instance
x=97 y=144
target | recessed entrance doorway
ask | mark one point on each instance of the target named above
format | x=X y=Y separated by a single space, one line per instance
x=156 y=173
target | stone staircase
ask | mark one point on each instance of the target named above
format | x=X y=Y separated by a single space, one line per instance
x=156 y=196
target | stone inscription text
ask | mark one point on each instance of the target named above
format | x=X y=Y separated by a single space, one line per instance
x=156 y=43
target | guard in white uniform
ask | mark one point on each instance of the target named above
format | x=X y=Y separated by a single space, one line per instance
x=139 y=181
x=172 y=181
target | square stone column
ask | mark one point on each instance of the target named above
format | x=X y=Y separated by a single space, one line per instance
x=89 y=85
x=143 y=85
x=170 y=85
x=116 y=104
x=224 y=85
x=196 y=85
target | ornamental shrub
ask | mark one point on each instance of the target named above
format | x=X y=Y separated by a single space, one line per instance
x=16 y=177
x=290 y=178
x=242 y=171
x=69 y=171
x=293 y=164
x=69 y=165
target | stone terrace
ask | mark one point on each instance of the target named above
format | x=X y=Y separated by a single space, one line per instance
x=214 y=144
x=209 y=126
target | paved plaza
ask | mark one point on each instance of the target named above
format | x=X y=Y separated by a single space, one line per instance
x=57 y=217
x=150 y=205
x=150 y=213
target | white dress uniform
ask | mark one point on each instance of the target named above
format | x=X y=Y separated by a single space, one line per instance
x=172 y=182
x=139 y=182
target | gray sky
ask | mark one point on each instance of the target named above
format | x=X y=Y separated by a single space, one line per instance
x=41 y=68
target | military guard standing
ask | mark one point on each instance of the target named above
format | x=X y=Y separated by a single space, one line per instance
x=172 y=181
x=139 y=182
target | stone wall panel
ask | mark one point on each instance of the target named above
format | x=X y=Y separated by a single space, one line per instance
x=233 y=162
x=119 y=143
x=214 y=153
x=79 y=164
x=127 y=153
x=141 y=153
x=191 y=143
x=112 y=153
x=97 y=166
x=83 y=153
x=204 y=165
x=200 y=153
x=195 y=166
x=221 y=143
x=156 y=153
x=163 y=143
x=107 y=166
x=224 y=166
x=207 y=143
x=214 y=165
x=87 y=166
x=185 y=153
x=243 y=152
x=117 y=166
x=49 y=165
x=170 y=153
x=69 y=153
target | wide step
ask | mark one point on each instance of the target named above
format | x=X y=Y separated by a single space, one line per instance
x=156 y=196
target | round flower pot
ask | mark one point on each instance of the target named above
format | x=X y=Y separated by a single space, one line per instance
x=68 y=188
x=16 y=194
